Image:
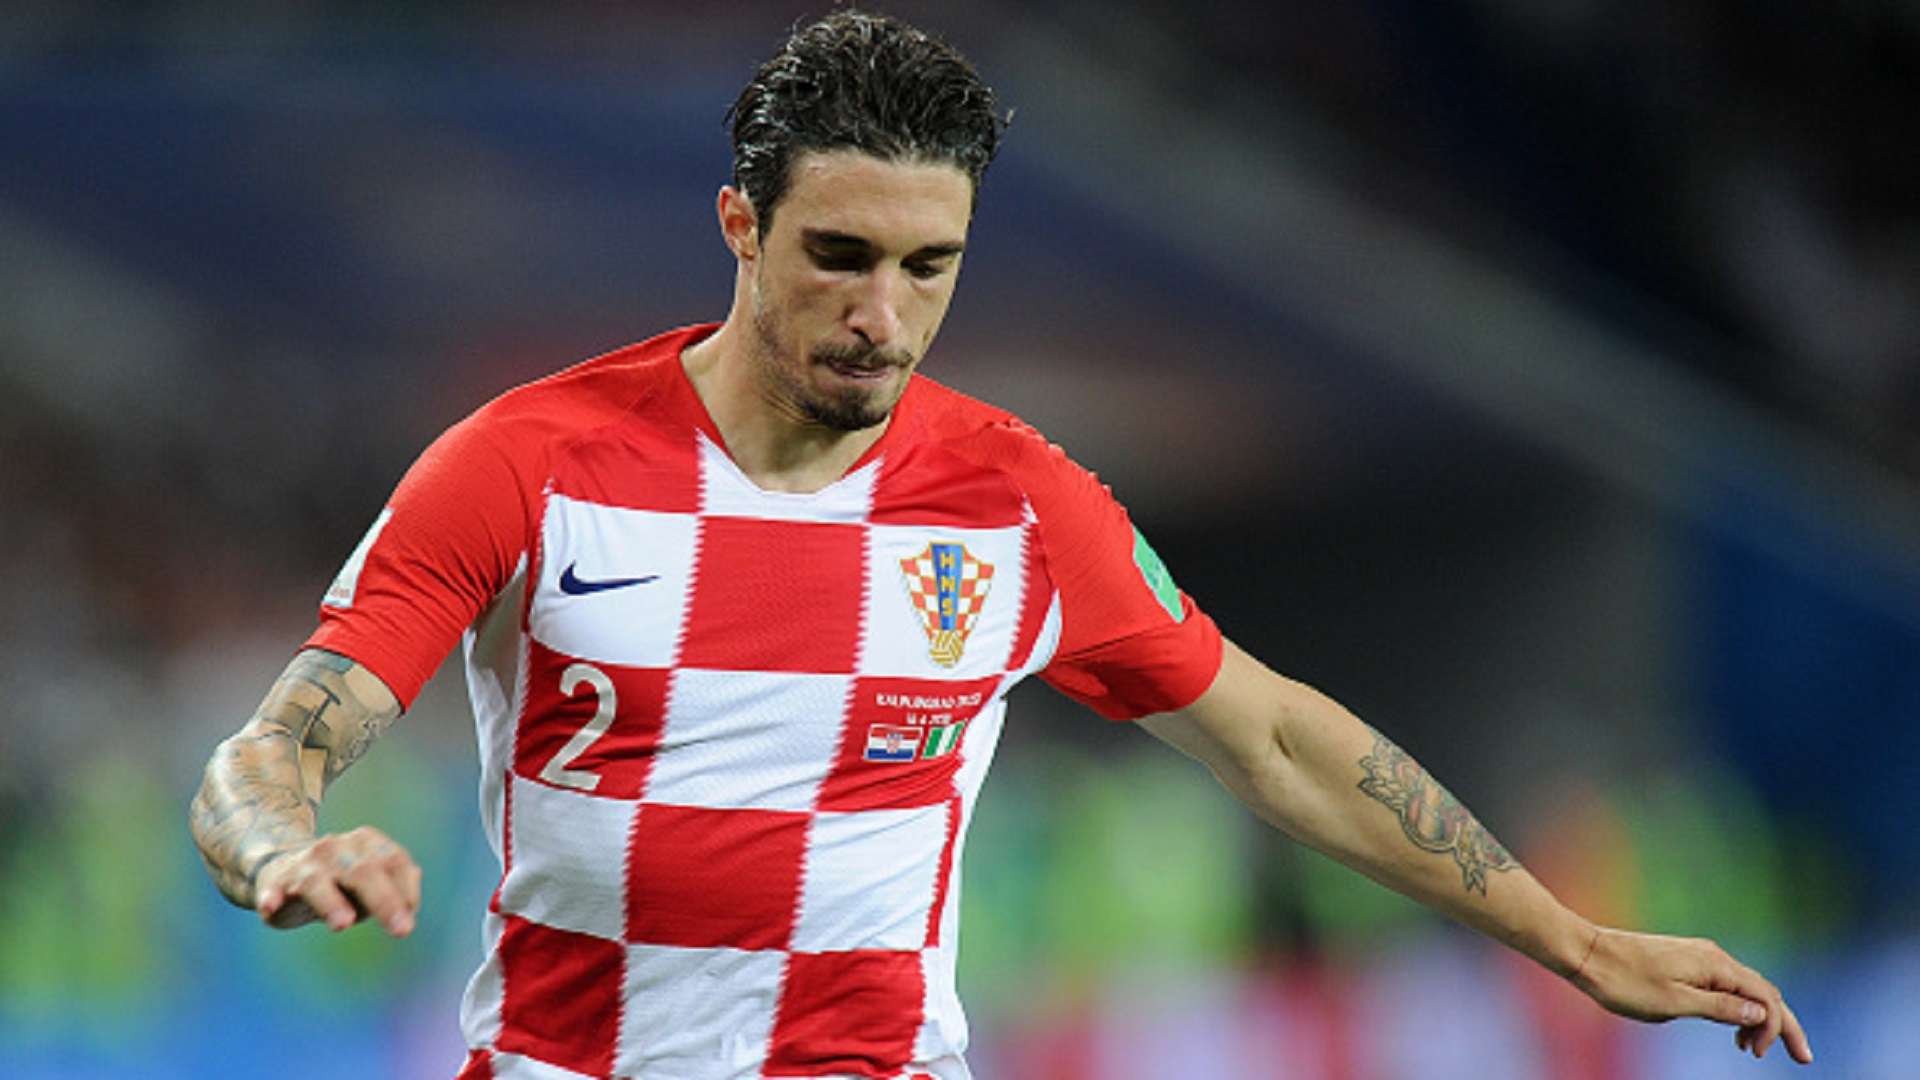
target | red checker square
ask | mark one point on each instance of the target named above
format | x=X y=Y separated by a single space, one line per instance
x=931 y=486
x=776 y=596
x=848 y=1014
x=560 y=739
x=637 y=467
x=562 y=1002
x=929 y=706
x=708 y=878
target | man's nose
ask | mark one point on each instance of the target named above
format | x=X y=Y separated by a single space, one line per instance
x=874 y=312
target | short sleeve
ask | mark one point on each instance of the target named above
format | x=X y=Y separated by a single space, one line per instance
x=446 y=544
x=1131 y=643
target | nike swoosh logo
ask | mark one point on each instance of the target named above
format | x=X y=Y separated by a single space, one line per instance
x=573 y=585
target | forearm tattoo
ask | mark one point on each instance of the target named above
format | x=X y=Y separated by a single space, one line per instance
x=1429 y=814
x=254 y=803
x=250 y=803
x=322 y=713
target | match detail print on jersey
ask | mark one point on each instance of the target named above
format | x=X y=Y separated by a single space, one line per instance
x=947 y=587
x=347 y=582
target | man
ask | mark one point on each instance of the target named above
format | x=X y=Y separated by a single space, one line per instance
x=740 y=607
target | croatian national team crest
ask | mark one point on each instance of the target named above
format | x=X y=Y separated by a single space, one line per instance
x=948 y=587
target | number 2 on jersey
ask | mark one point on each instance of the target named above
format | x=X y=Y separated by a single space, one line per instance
x=556 y=770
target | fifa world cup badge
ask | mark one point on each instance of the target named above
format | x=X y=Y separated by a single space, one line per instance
x=947 y=587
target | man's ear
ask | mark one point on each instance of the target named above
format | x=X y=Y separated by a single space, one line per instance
x=739 y=224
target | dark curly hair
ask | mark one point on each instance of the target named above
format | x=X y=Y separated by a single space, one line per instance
x=860 y=81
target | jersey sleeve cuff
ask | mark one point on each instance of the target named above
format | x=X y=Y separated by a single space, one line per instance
x=402 y=675
x=1163 y=671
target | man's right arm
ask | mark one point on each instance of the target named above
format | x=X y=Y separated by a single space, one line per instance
x=255 y=818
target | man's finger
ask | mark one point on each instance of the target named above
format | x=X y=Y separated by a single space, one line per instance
x=327 y=901
x=381 y=896
x=1727 y=1008
x=1767 y=1030
x=1754 y=986
x=292 y=912
x=1795 y=1036
x=1780 y=1022
x=410 y=880
x=282 y=911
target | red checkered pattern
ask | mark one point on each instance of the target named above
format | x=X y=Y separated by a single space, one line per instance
x=728 y=818
x=709 y=870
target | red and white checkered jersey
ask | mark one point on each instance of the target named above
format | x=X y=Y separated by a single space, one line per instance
x=730 y=739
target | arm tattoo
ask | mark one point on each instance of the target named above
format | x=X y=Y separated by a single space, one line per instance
x=313 y=703
x=1429 y=814
x=250 y=805
x=254 y=802
x=357 y=741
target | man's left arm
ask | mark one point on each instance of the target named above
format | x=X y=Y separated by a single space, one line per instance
x=1315 y=771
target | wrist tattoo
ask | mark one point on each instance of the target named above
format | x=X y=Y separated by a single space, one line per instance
x=1429 y=814
x=253 y=875
x=1582 y=969
x=251 y=799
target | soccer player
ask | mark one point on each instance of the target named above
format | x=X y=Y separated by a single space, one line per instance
x=740 y=607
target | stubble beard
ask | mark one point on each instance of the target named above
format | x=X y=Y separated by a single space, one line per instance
x=851 y=409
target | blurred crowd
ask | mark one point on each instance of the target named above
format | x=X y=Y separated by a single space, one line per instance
x=1740 y=175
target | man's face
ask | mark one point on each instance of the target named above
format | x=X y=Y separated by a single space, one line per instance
x=852 y=281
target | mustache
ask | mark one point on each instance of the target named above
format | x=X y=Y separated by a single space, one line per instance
x=866 y=356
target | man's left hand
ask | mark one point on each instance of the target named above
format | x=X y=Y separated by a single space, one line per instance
x=1655 y=978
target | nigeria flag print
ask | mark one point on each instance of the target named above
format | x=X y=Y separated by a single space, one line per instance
x=942 y=740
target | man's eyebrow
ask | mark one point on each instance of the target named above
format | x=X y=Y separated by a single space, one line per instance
x=830 y=239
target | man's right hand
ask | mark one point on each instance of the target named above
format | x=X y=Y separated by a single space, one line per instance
x=340 y=878
x=255 y=816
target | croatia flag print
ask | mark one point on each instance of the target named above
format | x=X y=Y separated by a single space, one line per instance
x=892 y=742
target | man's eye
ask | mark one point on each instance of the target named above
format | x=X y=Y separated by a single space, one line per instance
x=923 y=271
x=838 y=262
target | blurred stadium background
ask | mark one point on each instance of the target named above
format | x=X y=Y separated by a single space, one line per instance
x=1540 y=378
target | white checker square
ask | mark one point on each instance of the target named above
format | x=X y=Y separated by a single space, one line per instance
x=983 y=739
x=944 y=1025
x=1048 y=641
x=568 y=853
x=870 y=879
x=725 y=491
x=486 y=991
x=516 y=1067
x=895 y=641
x=748 y=739
x=697 y=1012
x=613 y=582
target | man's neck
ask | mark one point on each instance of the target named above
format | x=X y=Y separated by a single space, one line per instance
x=775 y=447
